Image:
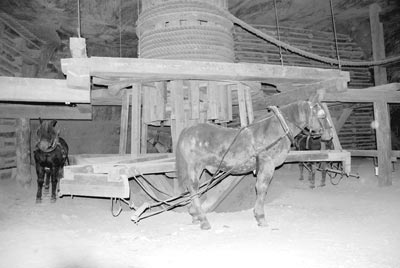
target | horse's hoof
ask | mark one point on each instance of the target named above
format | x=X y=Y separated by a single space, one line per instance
x=53 y=200
x=195 y=221
x=312 y=186
x=38 y=200
x=322 y=185
x=205 y=226
x=262 y=224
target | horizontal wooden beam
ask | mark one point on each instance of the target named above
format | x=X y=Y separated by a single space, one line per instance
x=81 y=111
x=201 y=70
x=364 y=95
x=372 y=153
x=20 y=89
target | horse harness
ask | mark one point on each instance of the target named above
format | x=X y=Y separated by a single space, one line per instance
x=56 y=143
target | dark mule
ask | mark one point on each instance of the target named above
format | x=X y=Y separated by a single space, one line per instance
x=305 y=141
x=259 y=147
x=50 y=154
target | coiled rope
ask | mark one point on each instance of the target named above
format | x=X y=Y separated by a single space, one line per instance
x=301 y=52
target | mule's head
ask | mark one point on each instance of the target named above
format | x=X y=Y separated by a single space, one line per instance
x=316 y=120
x=47 y=135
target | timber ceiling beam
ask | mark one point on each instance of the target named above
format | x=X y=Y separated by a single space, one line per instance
x=197 y=70
x=18 y=89
x=79 y=112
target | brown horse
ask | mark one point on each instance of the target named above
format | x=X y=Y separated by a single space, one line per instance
x=259 y=147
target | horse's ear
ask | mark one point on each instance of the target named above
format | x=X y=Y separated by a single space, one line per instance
x=53 y=122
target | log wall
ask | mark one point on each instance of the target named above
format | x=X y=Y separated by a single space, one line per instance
x=7 y=147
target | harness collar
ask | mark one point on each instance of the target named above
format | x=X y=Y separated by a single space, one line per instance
x=52 y=147
x=282 y=120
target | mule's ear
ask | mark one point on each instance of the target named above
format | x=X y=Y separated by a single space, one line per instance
x=313 y=98
x=53 y=122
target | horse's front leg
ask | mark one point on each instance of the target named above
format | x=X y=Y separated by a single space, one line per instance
x=40 y=172
x=195 y=209
x=313 y=168
x=264 y=175
x=54 y=180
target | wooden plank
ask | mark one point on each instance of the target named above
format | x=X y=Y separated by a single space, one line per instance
x=97 y=185
x=373 y=153
x=40 y=90
x=80 y=111
x=212 y=100
x=136 y=119
x=242 y=105
x=194 y=99
x=23 y=152
x=183 y=69
x=249 y=104
x=378 y=43
x=363 y=95
x=178 y=115
x=381 y=113
x=335 y=138
x=123 y=132
x=343 y=118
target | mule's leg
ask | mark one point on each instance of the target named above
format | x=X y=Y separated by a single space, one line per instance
x=40 y=180
x=301 y=167
x=264 y=175
x=54 y=180
x=312 y=174
x=323 y=172
x=46 y=180
x=195 y=209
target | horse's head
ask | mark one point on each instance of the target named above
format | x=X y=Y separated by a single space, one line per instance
x=47 y=135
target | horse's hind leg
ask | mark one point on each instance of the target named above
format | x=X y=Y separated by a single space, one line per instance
x=264 y=176
x=195 y=209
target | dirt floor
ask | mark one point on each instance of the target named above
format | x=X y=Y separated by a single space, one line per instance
x=354 y=224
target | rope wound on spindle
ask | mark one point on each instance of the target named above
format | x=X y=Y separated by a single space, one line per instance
x=190 y=30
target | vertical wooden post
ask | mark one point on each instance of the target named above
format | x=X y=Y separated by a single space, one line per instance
x=23 y=152
x=242 y=104
x=378 y=44
x=135 y=119
x=383 y=141
x=178 y=111
x=381 y=111
x=123 y=133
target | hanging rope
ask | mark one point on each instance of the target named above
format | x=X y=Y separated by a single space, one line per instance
x=301 y=52
x=120 y=29
x=335 y=36
x=79 y=18
x=277 y=31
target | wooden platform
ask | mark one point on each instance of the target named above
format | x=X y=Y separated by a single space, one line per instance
x=108 y=175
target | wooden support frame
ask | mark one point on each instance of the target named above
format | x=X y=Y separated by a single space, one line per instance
x=159 y=70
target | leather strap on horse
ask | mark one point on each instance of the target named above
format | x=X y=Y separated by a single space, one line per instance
x=282 y=120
